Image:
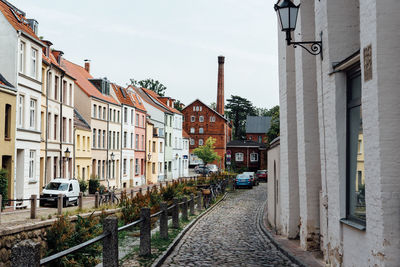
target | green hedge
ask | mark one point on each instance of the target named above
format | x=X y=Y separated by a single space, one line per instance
x=3 y=186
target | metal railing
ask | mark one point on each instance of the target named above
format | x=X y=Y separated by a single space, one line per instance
x=26 y=253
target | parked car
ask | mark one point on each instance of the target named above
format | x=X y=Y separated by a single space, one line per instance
x=213 y=168
x=243 y=180
x=262 y=175
x=69 y=188
x=202 y=170
x=197 y=168
x=253 y=177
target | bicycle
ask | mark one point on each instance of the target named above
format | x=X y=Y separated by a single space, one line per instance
x=108 y=198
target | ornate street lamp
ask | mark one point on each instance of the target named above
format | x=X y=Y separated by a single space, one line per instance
x=112 y=156
x=67 y=153
x=149 y=156
x=287 y=13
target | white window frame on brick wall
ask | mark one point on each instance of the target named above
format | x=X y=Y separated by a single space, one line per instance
x=201 y=119
x=239 y=156
x=192 y=118
x=192 y=130
x=254 y=157
x=201 y=130
x=192 y=142
x=201 y=142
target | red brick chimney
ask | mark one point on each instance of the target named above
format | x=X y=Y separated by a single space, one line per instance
x=87 y=65
x=220 y=95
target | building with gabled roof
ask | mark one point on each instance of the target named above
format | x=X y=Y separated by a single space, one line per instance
x=127 y=135
x=94 y=102
x=202 y=122
x=21 y=65
x=82 y=147
x=139 y=138
x=257 y=128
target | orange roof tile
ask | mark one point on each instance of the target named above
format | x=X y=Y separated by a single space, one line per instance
x=185 y=134
x=82 y=80
x=136 y=100
x=17 y=20
x=123 y=97
x=157 y=97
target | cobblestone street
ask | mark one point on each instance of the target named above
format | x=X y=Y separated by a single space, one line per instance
x=230 y=236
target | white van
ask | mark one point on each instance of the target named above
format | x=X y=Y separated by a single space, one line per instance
x=69 y=188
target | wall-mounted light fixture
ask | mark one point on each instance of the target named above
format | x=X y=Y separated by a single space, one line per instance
x=287 y=13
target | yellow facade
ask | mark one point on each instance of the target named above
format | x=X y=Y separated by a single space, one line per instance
x=83 y=155
x=7 y=133
x=152 y=151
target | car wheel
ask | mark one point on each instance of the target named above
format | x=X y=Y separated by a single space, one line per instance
x=76 y=202
x=66 y=202
x=41 y=203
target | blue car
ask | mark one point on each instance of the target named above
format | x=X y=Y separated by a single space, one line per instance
x=243 y=180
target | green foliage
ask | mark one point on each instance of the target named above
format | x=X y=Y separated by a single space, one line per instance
x=3 y=187
x=206 y=152
x=177 y=105
x=274 y=130
x=151 y=84
x=63 y=234
x=83 y=185
x=94 y=184
x=237 y=109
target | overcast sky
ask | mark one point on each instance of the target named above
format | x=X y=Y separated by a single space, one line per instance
x=174 y=41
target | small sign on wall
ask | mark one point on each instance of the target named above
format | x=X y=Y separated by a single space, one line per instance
x=367 y=63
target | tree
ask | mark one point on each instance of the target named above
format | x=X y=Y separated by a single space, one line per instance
x=177 y=105
x=237 y=109
x=274 y=130
x=206 y=152
x=151 y=84
x=213 y=106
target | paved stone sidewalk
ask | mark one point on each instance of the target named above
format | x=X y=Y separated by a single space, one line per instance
x=230 y=236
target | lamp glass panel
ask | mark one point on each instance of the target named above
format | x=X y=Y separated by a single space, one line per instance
x=284 y=17
x=293 y=17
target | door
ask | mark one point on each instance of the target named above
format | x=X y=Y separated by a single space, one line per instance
x=6 y=164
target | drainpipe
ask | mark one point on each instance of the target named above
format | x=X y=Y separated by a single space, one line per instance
x=108 y=145
x=61 y=123
x=121 y=171
x=73 y=156
x=47 y=127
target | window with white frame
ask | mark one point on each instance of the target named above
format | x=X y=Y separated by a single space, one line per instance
x=192 y=118
x=131 y=140
x=125 y=115
x=137 y=166
x=201 y=119
x=194 y=108
x=192 y=131
x=32 y=114
x=239 y=156
x=124 y=166
x=125 y=139
x=21 y=100
x=201 y=130
x=212 y=119
x=201 y=108
x=253 y=157
x=201 y=142
x=31 y=173
x=191 y=142
x=22 y=57
x=34 y=62
x=132 y=116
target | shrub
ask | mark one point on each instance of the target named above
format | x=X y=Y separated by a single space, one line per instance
x=94 y=184
x=83 y=185
x=63 y=234
x=3 y=187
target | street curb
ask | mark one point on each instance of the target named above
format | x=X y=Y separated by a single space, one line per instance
x=273 y=241
x=160 y=260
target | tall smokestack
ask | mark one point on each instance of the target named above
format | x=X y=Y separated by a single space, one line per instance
x=220 y=95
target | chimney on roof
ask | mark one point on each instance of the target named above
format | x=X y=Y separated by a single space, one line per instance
x=87 y=65
x=220 y=94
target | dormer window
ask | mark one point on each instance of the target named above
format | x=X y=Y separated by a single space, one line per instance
x=34 y=25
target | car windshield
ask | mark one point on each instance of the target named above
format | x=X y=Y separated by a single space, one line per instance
x=242 y=176
x=57 y=186
x=261 y=172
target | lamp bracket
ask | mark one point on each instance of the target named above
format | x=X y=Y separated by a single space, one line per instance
x=312 y=47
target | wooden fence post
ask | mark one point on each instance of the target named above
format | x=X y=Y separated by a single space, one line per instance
x=164 y=220
x=26 y=253
x=191 y=205
x=110 y=243
x=60 y=203
x=80 y=200
x=175 y=214
x=33 y=206
x=199 y=201
x=96 y=200
x=1 y=205
x=185 y=209
x=145 y=233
